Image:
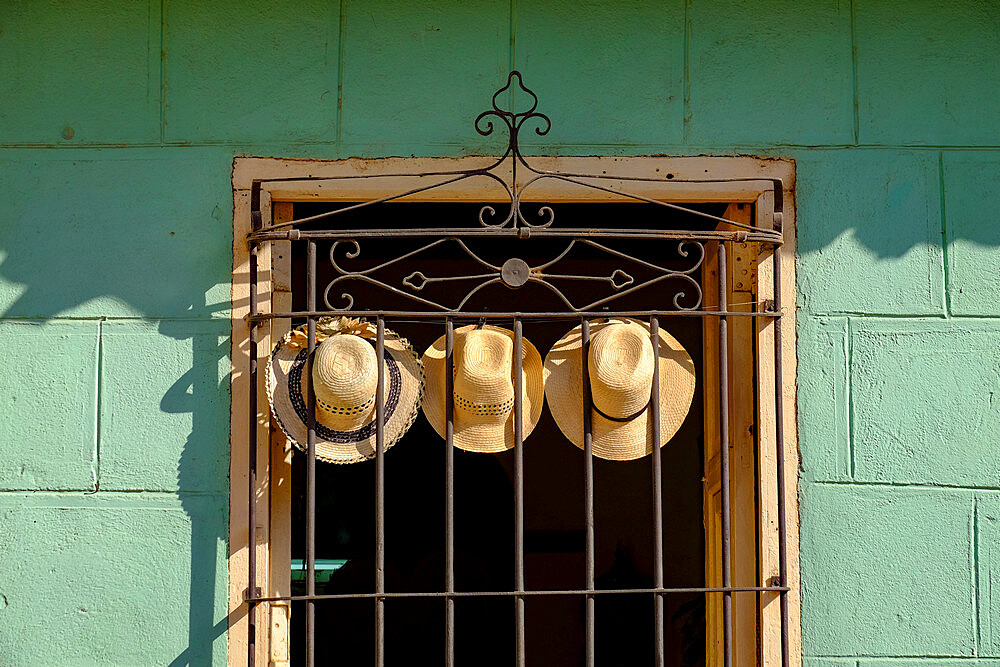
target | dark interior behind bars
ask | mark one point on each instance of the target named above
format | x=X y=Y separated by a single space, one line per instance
x=484 y=511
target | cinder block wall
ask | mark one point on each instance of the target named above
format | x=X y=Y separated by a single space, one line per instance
x=117 y=132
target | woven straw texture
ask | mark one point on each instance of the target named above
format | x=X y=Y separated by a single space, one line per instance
x=484 y=388
x=345 y=409
x=621 y=372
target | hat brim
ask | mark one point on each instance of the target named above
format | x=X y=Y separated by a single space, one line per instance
x=288 y=386
x=612 y=440
x=477 y=436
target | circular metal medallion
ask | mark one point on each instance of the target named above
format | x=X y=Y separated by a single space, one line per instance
x=514 y=272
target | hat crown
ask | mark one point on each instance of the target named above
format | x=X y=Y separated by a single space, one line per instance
x=620 y=363
x=483 y=364
x=344 y=372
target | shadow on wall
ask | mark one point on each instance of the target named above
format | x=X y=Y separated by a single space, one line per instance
x=872 y=226
x=102 y=238
x=188 y=396
x=866 y=194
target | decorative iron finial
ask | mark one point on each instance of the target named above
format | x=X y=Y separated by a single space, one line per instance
x=513 y=119
x=514 y=187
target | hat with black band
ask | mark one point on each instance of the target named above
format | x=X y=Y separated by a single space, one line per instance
x=620 y=368
x=345 y=376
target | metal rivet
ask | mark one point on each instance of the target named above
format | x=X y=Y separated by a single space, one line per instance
x=514 y=272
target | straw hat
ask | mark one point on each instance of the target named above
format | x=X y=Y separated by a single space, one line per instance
x=620 y=363
x=484 y=388
x=345 y=375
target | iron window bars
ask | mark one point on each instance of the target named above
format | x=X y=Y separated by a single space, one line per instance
x=515 y=273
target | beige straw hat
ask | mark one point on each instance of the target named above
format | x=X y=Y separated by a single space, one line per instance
x=484 y=388
x=345 y=375
x=620 y=363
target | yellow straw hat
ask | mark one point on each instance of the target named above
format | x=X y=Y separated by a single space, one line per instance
x=484 y=388
x=345 y=375
x=620 y=363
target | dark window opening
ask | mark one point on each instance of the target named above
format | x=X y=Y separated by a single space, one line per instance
x=484 y=502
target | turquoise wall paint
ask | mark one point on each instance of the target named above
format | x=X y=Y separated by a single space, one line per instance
x=117 y=132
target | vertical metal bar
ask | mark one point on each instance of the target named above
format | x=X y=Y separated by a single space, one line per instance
x=449 y=494
x=518 y=494
x=727 y=597
x=380 y=496
x=252 y=472
x=588 y=482
x=654 y=416
x=311 y=462
x=779 y=429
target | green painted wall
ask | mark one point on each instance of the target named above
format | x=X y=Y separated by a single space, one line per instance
x=118 y=126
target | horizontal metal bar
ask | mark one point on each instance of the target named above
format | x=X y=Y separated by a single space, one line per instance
x=472 y=594
x=519 y=232
x=497 y=159
x=488 y=315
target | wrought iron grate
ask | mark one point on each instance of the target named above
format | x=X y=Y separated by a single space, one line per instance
x=445 y=274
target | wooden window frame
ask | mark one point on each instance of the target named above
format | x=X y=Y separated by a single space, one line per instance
x=756 y=373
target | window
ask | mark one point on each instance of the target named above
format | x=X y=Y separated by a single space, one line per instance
x=558 y=590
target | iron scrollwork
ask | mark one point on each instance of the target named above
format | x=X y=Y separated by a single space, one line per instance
x=515 y=121
x=515 y=273
x=633 y=273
